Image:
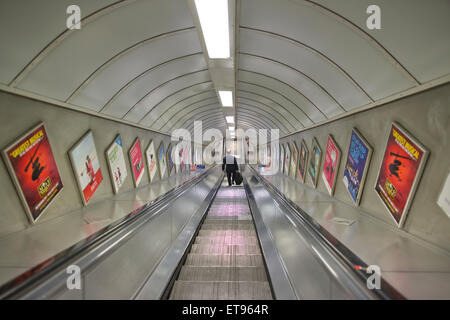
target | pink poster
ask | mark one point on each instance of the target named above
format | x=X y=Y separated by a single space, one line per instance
x=137 y=162
x=331 y=164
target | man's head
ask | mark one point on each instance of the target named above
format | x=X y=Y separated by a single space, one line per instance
x=228 y=151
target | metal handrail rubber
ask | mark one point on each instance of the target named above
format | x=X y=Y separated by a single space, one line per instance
x=342 y=256
x=160 y=282
x=47 y=277
x=280 y=284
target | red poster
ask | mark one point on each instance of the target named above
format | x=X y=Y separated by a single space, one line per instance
x=33 y=168
x=137 y=162
x=400 y=171
x=331 y=164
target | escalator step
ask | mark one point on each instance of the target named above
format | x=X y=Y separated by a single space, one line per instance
x=225 y=261
x=231 y=219
x=244 y=260
x=225 y=249
x=221 y=290
x=229 y=233
x=195 y=273
x=209 y=221
x=228 y=226
x=226 y=240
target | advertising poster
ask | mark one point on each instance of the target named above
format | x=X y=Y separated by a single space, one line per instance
x=169 y=159
x=151 y=160
x=86 y=166
x=281 y=158
x=116 y=163
x=357 y=165
x=287 y=159
x=162 y=161
x=302 y=161
x=331 y=164
x=402 y=165
x=32 y=166
x=137 y=162
x=294 y=160
x=314 y=162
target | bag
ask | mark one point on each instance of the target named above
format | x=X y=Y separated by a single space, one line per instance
x=238 y=178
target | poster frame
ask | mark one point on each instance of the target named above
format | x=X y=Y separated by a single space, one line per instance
x=281 y=158
x=148 y=163
x=15 y=180
x=136 y=183
x=169 y=159
x=338 y=163
x=295 y=166
x=287 y=150
x=72 y=160
x=417 y=177
x=161 y=173
x=303 y=145
x=110 y=170
x=315 y=180
x=366 y=166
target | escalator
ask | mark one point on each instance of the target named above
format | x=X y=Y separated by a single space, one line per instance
x=225 y=261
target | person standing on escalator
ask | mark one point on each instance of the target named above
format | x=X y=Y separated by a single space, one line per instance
x=231 y=166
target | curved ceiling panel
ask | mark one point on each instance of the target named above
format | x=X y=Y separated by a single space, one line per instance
x=306 y=86
x=171 y=118
x=427 y=23
x=176 y=53
x=191 y=112
x=27 y=40
x=314 y=66
x=363 y=61
x=300 y=62
x=174 y=110
x=260 y=121
x=248 y=109
x=208 y=113
x=207 y=123
x=150 y=117
x=258 y=107
x=156 y=96
x=276 y=98
x=246 y=126
x=74 y=59
x=143 y=85
x=314 y=113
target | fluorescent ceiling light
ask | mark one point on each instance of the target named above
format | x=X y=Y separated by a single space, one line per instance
x=226 y=98
x=231 y=129
x=230 y=119
x=213 y=16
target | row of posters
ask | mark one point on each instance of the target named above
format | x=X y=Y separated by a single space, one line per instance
x=32 y=166
x=401 y=167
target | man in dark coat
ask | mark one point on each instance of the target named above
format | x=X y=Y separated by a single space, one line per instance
x=231 y=166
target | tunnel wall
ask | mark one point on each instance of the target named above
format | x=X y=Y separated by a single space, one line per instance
x=64 y=127
x=426 y=116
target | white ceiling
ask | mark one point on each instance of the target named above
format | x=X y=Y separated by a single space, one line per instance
x=295 y=63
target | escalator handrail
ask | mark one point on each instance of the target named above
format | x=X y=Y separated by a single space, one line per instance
x=280 y=284
x=160 y=282
x=343 y=255
x=36 y=276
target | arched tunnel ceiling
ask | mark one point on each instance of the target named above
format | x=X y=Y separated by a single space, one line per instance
x=298 y=62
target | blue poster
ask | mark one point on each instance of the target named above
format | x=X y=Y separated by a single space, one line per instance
x=356 y=167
